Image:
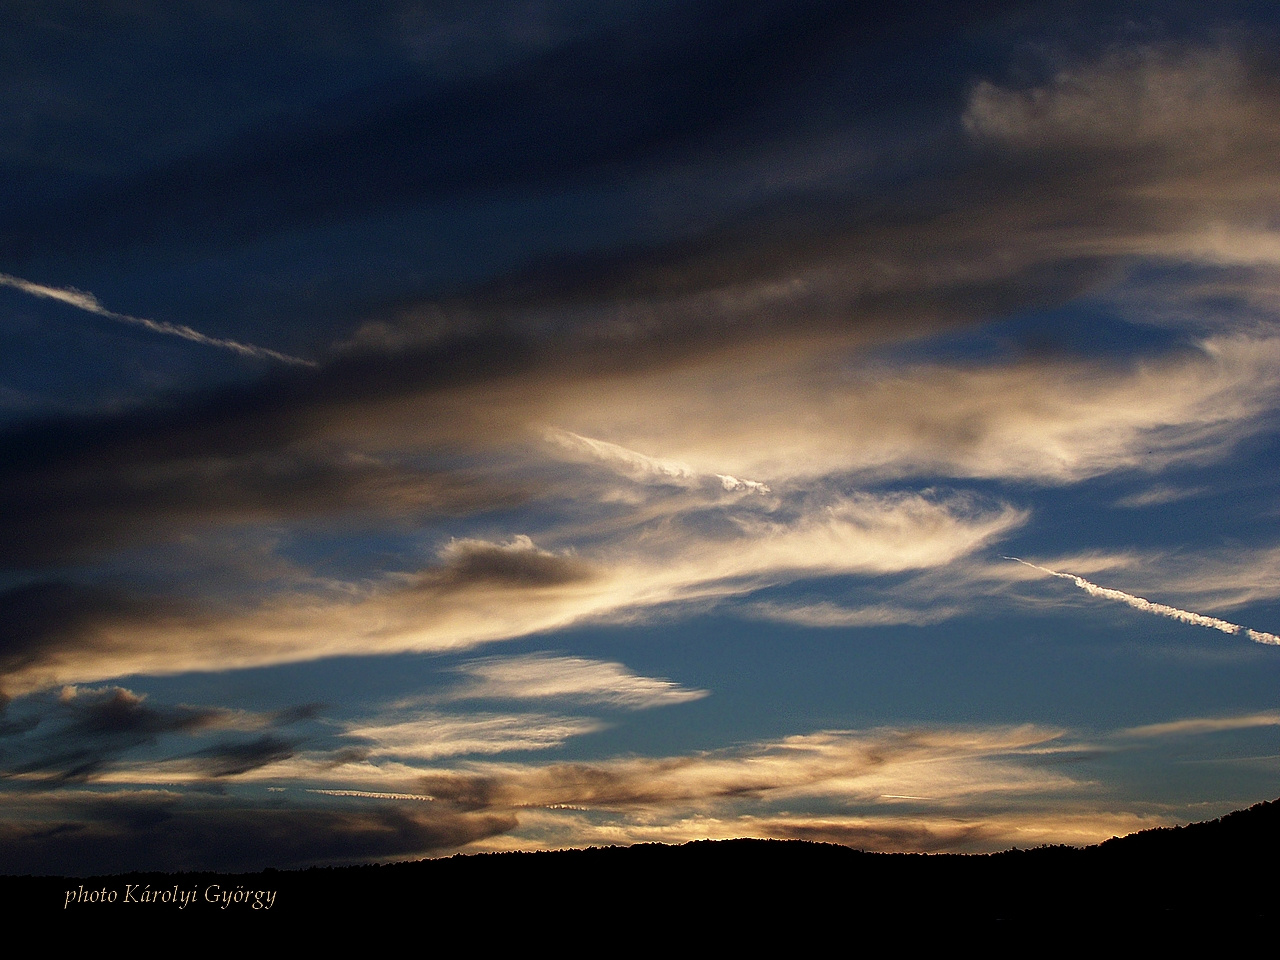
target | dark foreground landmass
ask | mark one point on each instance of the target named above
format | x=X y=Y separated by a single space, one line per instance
x=1217 y=871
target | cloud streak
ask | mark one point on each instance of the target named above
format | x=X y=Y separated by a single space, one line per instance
x=1160 y=609
x=482 y=591
x=90 y=304
x=541 y=676
x=643 y=468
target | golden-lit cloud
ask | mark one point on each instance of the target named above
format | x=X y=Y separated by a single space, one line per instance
x=540 y=676
x=826 y=614
x=952 y=765
x=429 y=736
x=483 y=591
x=1053 y=421
x=1197 y=725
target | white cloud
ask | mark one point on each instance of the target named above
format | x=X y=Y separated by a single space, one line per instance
x=1050 y=422
x=1198 y=725
x=432 y=736
x=540 y=676
x=89 y=303
x=826 y=614
x=646 y=469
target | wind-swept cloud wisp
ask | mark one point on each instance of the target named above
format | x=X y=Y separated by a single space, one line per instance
x=1164 y=610
x=90 y=304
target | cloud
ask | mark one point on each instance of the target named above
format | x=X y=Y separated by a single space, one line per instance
x=518 y=563
x=1139 y=603
x=982 y=832
x=826 y=614
x=541 y=676
x=1051 y=422
x=1133 y=100
x=54 y=619
x=988 y=789
x=430 y=735
x=642 y=468
x=644 y=253
x=1176 y=141
x=1197 y=725
x=1217 y=579
x=87 y=503
x=89 y=303
x=1159 y=495
x=233 y=759
x=79 y=834
x=741 y=350
x=928 y=789
x=483 y=591
x=96 y=734
x=851 y=765
x=636 y=465
x=582 y=92
x=81 y=732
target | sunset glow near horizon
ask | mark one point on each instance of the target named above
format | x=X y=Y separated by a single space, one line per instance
x=434 y=427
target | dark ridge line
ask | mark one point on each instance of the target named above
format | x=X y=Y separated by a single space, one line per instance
x=1164 y=878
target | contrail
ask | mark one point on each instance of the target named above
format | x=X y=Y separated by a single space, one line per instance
x=1186 y=616
x=88 y=302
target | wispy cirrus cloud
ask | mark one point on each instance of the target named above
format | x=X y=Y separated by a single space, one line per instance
x=827 y=614
x=540 y=676
x=641 y=467
x=431 y=735
x=1050 y=422
x=90 y=304
x=1194 y=726
x=482 y=591
x=859 y=766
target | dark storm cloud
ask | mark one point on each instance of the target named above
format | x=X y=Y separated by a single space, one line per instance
x=232 y=759
x=83 y=730
x=46 y=618
x=517 y=565
x=72 y=487
x=116 y=712
x=156 y=831
x=679 y=82
x=75 y=734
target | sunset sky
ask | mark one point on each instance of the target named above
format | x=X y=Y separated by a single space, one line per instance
x=513 y=424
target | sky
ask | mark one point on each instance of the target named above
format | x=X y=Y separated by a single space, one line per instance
x=436 y=427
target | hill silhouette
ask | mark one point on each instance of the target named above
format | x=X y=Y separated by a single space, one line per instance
x=1165 y=876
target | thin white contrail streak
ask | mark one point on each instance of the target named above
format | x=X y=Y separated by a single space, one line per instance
x=1186 y=616
x=88 y=302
